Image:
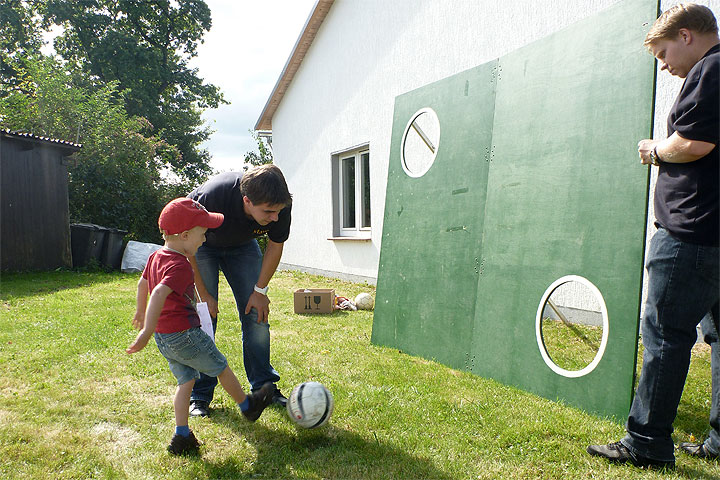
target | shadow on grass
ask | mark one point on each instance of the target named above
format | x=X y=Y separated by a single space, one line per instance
x=684 y=471
x=335 y=313
x=29 y=284
x=328 y=452
x=693 y=419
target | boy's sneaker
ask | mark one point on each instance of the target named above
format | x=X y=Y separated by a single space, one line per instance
x=279 y=399
x=259 y=400
x=180 y=445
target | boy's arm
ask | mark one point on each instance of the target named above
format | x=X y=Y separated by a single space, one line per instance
x=202 y=291
x=141 y=304
x=157 y=300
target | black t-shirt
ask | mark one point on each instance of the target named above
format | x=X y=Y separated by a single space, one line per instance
x=686 y=194
x=222 y=194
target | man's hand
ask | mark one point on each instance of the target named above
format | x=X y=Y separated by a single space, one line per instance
x=261 y=303
x=212 y=305
x=645 y=147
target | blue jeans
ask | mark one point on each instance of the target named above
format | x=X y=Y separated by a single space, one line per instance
x=190 y=352
x=682 y=291
x=711 y=335
x=241 y=266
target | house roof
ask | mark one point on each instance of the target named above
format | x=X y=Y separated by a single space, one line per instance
x=36 y=138
x=312 y=25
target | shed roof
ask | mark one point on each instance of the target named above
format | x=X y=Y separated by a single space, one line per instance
x=312 y=25
x=73 y=147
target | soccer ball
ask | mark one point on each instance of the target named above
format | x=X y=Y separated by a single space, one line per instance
x=310 y=405
x=364 y=301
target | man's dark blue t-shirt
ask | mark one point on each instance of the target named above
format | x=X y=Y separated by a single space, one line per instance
x=686 y=194
x=222 y=194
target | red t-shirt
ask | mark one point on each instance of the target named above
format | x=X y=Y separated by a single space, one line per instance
x=173 y=270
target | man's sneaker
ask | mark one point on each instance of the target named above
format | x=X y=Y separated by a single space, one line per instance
x=698 y=450
x=180 y=445
x=279 y=399
x=619 y=453
x=258 y=401
x=199 y=408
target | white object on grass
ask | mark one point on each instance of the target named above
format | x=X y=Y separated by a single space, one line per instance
x=310 y=405
x=136 y=255
x=364 y=301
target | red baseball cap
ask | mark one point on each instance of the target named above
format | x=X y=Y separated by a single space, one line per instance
x=182 y=214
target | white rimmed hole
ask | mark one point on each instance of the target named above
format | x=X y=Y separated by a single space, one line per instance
x=571 y=326
x=421 y=140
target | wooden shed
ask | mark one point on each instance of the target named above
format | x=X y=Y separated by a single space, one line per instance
x=34 y=210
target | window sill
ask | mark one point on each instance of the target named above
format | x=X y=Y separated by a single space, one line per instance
x=355 y=239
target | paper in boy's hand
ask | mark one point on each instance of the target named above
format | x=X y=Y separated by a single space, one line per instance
x=205 y=320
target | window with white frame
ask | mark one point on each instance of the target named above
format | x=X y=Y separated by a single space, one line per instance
x=351 y=193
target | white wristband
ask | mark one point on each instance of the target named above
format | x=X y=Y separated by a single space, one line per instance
x=262 y=290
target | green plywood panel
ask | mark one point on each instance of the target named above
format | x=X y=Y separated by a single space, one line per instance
x=427 y=279
x=567 y=196
x=536 y=177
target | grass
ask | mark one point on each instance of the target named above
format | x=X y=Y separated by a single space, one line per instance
x=571 y=346
x=74 y=405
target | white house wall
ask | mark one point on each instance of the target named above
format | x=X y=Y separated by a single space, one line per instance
x=365 y=54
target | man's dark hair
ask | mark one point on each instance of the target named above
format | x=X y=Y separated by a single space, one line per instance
x=265 y=185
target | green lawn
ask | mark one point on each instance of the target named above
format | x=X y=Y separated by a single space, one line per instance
x=571 y=346
x=74 y=405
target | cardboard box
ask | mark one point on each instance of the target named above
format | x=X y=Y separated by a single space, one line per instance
x=314 y=300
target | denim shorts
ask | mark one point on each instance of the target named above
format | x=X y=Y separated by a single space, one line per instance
x=190 y=353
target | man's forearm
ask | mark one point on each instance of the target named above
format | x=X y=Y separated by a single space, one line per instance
x=271 y=260
x=676 y=149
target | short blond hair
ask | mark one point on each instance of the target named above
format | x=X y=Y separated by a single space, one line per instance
x=694 y=17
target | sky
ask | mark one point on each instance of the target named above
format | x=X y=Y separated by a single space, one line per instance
x=244 y=53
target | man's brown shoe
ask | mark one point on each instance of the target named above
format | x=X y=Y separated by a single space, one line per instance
x=698 y=450
x=619 y=453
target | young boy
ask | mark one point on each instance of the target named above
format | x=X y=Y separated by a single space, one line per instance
x=171 y=316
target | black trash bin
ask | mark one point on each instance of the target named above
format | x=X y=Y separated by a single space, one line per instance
x=112 y=250
x=86 y=242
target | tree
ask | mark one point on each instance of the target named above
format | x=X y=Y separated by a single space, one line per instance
x=123 y=89
x=145 y=46
x=116 y=179
x=19 y=41
x=262 y=156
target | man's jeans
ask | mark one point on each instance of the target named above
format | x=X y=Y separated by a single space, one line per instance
x=241 y=266
x=682 y=289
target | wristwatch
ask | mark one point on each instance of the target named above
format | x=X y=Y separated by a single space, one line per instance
x=654 y=158
x=262 y=290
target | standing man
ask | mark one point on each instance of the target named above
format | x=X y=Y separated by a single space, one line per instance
x=682 y=262
x=254 y=203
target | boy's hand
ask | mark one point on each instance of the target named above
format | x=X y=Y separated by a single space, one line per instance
x=139 y=343
x=138 y=320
